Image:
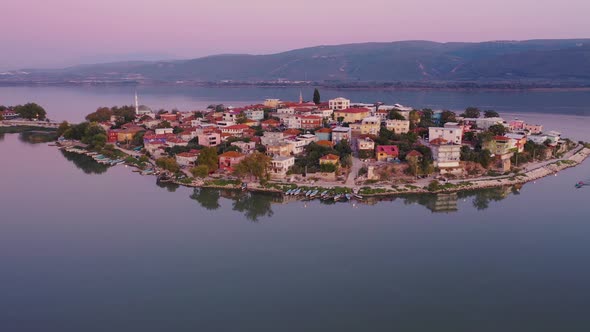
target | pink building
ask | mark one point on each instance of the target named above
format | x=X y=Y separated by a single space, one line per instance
x=516 y=125
x=209 y=138
x=228 y=160
x=534 y=129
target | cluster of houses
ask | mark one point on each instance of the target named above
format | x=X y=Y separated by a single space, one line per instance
x=288 y=127
x=8 y=114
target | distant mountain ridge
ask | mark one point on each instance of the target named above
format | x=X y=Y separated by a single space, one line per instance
x=554 y=60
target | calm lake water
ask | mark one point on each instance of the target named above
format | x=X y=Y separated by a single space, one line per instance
x=89 y=248
x=73 y=103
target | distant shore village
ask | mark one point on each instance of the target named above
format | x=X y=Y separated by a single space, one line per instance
x=336 y=142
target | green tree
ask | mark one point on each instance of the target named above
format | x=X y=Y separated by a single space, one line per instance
x=208 y=157
x=102 y=114
x=316 y=96
x=201 y=171
x=395 y=115
x=497 y=130
x=168 y=163
x=126 y=113
x=94 y=135
x=491 y=114
x=447 y=116
x=30 y=111
x=328 y=168
x=343 y=148
x=138 y=139
x=164 y=124
x=254 y=165
x=471 y=112
x=63 y=127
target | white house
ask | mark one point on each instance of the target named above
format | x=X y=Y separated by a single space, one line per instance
x=341 y=133
x=271 y=138
x=339 y=103
x=246 y=147
x=398 y=126
x=255 y=114
x=449 y=134
x=292 y=122
x=447 y=157
x=187 y=158
x=286 y=110
x=279 y=166
x=537 y=139
x=162 y=131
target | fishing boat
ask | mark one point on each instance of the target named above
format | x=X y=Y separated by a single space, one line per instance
x=337 y=197
x=288 y=192
x=314 y=193
x=323 y=194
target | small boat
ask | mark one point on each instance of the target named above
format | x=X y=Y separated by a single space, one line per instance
x=324 y=193
x=357 y=196
x=337 y=197
x=297 y=192
x=288 y=192
x=314 y=193
x=348 y=196
x=308 y=193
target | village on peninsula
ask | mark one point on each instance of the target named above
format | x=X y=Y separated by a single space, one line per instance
x=336 y=150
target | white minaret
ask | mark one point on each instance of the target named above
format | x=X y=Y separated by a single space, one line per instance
x=136 y=104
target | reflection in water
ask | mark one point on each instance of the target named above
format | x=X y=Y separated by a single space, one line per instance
x=34 y=137
x=85 y=163
x=208 y=198
x=257 y=205
x=1 y=136
x=170 y=186
x=252 y=205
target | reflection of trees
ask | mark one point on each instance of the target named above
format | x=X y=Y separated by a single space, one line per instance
x=255 y=205
x=1 y=136
x=208 y=198
x=170 y=186
x=483 y=198
x=252 y=205
x=85 y=163
x=447 y=202
x=34 y=137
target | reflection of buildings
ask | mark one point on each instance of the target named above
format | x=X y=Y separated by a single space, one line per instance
x=443 y=203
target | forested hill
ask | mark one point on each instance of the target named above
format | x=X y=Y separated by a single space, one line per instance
x=405 y=61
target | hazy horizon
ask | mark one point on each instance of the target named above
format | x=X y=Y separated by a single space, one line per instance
x=67 y=32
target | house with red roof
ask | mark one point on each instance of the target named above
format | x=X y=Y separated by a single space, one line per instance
x=324 y=134
x=387 y=152
x=330 y=159
x=228 y=160
x=351 y=115
x=235 y=130
x=187 y=159
x=310 y=121
x=270 y=124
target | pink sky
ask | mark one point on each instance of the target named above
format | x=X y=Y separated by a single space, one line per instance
x=64 y=32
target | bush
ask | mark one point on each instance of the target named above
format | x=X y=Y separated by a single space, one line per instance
x=434 y=185
x=201 y=171
x=328 y=168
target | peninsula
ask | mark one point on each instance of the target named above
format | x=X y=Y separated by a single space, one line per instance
x=336 y=149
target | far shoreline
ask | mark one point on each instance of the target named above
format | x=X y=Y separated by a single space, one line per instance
x=509 y=87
